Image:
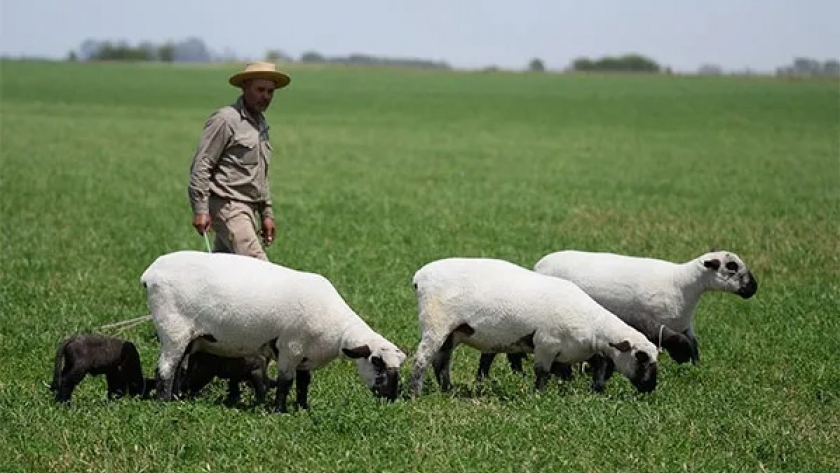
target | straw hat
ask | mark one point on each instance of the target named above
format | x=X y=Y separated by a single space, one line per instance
x=260 y=70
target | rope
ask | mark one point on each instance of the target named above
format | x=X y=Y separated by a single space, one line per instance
x=126 y=324
x=661 y=328
x=207 y=242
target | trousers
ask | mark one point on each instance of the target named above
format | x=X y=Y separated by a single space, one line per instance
x=236 y=225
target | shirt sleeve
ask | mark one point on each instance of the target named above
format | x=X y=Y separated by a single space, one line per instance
x=267 y=210
x=213 y=140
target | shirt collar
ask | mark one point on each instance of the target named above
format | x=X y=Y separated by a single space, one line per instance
x=243 y=112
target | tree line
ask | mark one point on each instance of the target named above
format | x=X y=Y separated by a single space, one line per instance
x=195 y=50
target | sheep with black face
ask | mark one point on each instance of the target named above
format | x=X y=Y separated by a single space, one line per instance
x=667 y=292
x=499 y=307
x=231 y=305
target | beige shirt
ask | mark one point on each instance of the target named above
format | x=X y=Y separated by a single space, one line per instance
x=232 y=160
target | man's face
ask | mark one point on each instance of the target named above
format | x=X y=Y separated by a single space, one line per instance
x=258 y=94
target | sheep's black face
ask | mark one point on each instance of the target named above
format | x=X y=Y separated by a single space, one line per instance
x=731 y=274
x=644 y=379
x=387 y=384
x=379 y=370
x=749 y=286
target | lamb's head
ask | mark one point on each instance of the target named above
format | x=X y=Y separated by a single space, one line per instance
x=730 y=274
x=637 y=361
x=378 y=362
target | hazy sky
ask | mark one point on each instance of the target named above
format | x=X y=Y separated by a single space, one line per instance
x=736 y=34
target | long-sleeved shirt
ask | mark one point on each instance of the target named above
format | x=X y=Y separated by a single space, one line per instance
x=232 y=160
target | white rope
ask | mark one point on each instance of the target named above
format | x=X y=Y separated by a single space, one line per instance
x=207 y=242
x=661 y=328
x=126 y=324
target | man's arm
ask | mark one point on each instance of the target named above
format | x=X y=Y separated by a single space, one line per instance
x=213 y=140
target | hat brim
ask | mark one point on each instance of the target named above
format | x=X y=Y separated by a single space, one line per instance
x=280 y=80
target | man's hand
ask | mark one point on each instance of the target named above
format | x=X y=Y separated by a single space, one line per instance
x=268 y=231
x=201 y=222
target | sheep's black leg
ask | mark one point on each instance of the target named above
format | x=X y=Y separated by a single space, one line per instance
x=283 y=388
x=602 y=369
x=515 y=361
x=234 y=393
x=562 y=370
x=484 y=363
x=442 y=358
x=258 y=382
x=302 y=378
x=695 y=348
x=542 y=377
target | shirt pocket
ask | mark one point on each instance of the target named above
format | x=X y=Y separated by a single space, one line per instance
x=245 y=148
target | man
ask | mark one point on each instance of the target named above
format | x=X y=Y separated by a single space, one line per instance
x=228 y=186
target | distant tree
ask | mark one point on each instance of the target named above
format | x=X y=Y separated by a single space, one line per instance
x=807 y=67
x=191 y=50
x=312 y=56
x=582 y=64
x=709 y=70
x=72 y=57
x=536 y=65
x=166 y=52
x=88 y=49
x=804 y=66
x=276 y=55
x=626 y=63
x=831 y=67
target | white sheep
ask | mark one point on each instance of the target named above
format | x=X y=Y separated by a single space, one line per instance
x=232 y=305
x=668 y=292
x=499 y=307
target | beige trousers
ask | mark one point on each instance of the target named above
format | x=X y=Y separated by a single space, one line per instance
x=236 y=225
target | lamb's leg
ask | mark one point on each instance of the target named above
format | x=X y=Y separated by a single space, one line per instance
x=484 y=364
x=302 y=380
x=429 y=346
x=602 y=369
x=695 y=348
x=116 y=384
x=69 y=380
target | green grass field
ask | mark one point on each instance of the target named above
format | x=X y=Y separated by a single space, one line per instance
x=378 y=172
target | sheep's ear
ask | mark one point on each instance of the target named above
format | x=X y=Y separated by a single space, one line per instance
x=378 y=362
x=712 y=263
x=623 y=346
x=642 y=357
x=362 y=351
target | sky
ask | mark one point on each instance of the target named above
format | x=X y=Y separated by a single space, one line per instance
x=682 y=34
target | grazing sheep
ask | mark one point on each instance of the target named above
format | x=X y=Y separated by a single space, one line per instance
x=232 y=305
x=499 y=307
x=203 y=367
x=675 y=343
x=83 y=354
x=664 y=291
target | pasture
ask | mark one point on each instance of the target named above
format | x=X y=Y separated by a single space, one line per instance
x=377 y=172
